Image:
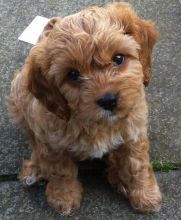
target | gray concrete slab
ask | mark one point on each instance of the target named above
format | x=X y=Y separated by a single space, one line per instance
x=101 y=202
x=164 y=92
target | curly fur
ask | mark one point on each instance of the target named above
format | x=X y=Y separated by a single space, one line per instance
x=61 y=117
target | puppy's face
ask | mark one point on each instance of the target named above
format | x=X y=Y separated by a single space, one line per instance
x=92 y=65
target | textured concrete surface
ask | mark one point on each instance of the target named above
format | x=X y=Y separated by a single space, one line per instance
x=163 y=94
x=101 y=202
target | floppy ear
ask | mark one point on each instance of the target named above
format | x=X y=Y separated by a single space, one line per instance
x=146 y=35
x=43 y=87
x=46 y=89
x=143 y=31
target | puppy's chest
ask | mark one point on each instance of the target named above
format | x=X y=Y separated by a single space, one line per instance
x=95 y=147
x=93 y=143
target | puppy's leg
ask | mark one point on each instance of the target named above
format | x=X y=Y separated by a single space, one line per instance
x=130 y=170
x=64 y=191
x=30 y=171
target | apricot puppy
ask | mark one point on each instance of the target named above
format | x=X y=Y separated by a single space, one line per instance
x=80 y=94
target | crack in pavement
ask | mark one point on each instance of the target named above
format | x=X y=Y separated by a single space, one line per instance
x=157 y=166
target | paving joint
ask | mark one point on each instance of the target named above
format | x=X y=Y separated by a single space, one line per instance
x=157 y=167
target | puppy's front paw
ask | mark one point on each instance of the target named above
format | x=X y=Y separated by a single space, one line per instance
x=64 y=196
x=147 y=200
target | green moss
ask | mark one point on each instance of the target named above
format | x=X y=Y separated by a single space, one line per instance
x=12 y=177
x=159 y=166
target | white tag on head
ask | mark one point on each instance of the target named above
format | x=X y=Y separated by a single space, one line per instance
x=33 y=31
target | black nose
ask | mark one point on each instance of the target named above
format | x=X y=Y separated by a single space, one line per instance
x=108 y=101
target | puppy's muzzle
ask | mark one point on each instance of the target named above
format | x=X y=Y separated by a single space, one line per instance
x=108 y=101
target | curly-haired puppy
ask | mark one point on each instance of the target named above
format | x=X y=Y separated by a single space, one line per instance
x=80 y=94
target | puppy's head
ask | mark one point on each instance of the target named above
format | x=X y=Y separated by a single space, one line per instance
x=92 y=65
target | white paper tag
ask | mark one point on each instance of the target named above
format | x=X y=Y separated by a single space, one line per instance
x=33 y=31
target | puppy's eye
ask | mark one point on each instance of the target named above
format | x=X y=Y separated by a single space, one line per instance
x=118 y=59
x=73 y=75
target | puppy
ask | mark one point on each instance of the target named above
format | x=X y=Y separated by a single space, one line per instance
x=80 y=94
